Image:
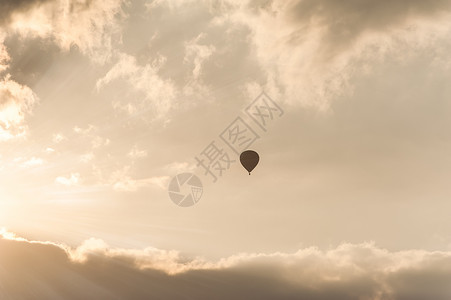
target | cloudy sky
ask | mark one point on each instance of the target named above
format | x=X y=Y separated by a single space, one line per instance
x=103 y=102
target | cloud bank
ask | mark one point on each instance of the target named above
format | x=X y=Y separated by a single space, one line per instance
x=45 y=270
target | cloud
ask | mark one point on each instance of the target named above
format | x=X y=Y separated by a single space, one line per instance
x=304 y=52
x=58 y=138
x=344 y=22
x=4 y=56
x=91 y=25
x=9 y=7
x=179 y=167
x=87 y=157
x=49 y=150
x=351 y=271
x=196 y=53
x=136 y=153
x=74 y=179
x=151 y=92
x=16 y=102
x=32 y=162
x=311 y=50
x=89 y=133
x=124 y=183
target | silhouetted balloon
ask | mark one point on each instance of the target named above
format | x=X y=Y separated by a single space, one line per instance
x=249 y=159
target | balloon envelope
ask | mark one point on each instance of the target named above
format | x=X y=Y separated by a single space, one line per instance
x=249 y=159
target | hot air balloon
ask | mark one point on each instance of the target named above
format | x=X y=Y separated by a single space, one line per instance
x=249 y=159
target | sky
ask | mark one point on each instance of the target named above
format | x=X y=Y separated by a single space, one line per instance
x=104 y=102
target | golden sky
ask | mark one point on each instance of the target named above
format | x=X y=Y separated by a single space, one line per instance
x=103 y=102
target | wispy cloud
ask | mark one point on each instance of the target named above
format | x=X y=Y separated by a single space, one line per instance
x=151 y=92
x=92 y=26
x=310 y=51
x=136 y=153
x=32 y=162
x=122 y=182
x=58 y=138
x=72 y=180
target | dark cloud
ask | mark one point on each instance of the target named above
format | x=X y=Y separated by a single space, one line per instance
x=30 y=58
x=345 y=21
x=44 y=271
x=8 y=7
